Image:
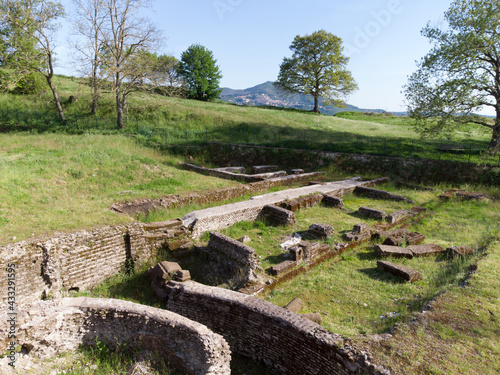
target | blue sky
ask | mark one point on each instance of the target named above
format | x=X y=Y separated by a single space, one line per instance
x=249 y=38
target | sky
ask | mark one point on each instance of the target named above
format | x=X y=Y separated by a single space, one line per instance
x=250 y=38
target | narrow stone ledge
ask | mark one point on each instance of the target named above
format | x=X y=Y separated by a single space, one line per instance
x=393 y=251
x=400 y=271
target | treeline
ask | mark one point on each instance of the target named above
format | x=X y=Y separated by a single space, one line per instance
x=115 y=49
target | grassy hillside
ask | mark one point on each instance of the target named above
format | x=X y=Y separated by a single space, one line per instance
x=54 y=182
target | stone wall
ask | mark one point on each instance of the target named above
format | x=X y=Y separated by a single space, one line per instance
x=52 y=327
x=236 y=259
x=73 y=261
x=281 y=339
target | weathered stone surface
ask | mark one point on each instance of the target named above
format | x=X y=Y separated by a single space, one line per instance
x=394 y=251
x=277 y=216
x=180 y=244
x=296 y=253
x=295 y=305
x=372 y=213
x=460 y=251
x=313 y=317
x=399 y=215
x=356 y=237
x=418 y=210
x=400 y=271
x=309 y=201
x=321 y=230
x=315 y=183
x=264 y=168
x=53 y=327
x=330 y=200
x=425 y=250
x=224 y=216
x=291 y=205
x=168 y=224
x=282 y=268
x=297 y=171
x=414 y=238
x=397 y=235
x=245 y=239
x=182 y=275
x=380 y=194
x=360 y=228
x=283 y=340
x=235 y=257
x=232 y=169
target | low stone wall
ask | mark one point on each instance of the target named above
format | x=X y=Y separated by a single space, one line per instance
x=55 y=326
x=80 y=260
x=235 y=258
x=281 y=339
x=222 y=173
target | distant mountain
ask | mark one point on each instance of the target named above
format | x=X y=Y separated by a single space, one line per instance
x=266 y=94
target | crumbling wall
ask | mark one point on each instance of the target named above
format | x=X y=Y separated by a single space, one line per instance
x=52 y=327
x=45 y=266
x=237 y=260
x=283 y=340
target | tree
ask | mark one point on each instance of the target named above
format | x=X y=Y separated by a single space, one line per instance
x=90 y=20
x=318 y=68
x=28 y=27
x=165 y=76
x=125 y=36
x=200 y=72
x=460 y=76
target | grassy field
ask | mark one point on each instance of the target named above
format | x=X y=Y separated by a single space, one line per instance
x=56 y=182
x=162 y=120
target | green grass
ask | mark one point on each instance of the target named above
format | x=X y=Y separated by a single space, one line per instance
x=166 y=121
x=56 y=182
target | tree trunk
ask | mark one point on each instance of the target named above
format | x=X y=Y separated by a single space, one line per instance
x=316 y=103
x=119 y=111
x=56 y=98
x=95 y=95
x=495 y=137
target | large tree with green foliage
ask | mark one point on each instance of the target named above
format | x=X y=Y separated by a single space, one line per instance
x=28 y=27
x=200 y=72
x=318 y=68
x=460 y=76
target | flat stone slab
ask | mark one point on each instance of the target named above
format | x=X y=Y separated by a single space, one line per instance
x=380 y=194
x=264 y=168
x=414 y=238
x=394 y=251
x=425 y=250
x=216 y=218
x=399 y=215
x=460 y=251
x=283 y=267
x=403 y=272
x=321 y=230
x=372 y=213
x=329 y=200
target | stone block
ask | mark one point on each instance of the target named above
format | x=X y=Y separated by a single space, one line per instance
x=182 y=275
x=309 y=201
x=180 y=244
x=381 y=234
x=321 y=230
x=399 y=215
x=168 y=224
x=457 y=251
x=277 y=215
x=394 y=251
x=372 y=213
x=295 y=305
x=330 y=200
x=296 y=171
x=291 y=205
x=296 y=253
x=313 y=317
x=418 y=210
x=380 y=194
x=244 y=239
x=283 y=267
x=425 y=250
x=264 y=168
x=356 y=237
x=403 y=272
x=231 y=169
x=360 y=228
x=414 y=238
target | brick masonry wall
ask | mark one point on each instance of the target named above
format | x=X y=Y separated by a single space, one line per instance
x=72 y=261
x=239 y=259
x=62 y=325
x=283 y=340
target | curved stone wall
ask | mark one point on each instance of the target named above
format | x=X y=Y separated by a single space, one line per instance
x=55 y=326
x=281 y=339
